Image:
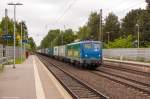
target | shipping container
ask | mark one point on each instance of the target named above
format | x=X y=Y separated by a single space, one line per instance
x=62 y=51
x=56 y=51
x=50 y=51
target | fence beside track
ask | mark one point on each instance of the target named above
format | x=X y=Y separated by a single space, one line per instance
x=7 y=53
x=137 y=54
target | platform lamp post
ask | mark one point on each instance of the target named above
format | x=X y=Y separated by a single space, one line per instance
x=138 y=35
x=14 y=4
x=21 y=43
x=108 y=37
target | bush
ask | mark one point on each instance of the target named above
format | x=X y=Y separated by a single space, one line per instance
x=121 y=43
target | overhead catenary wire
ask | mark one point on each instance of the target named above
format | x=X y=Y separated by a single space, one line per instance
x=124 y=10
x=66 y=10
x=131 y=7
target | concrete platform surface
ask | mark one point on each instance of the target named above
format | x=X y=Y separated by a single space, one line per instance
x=30 y=80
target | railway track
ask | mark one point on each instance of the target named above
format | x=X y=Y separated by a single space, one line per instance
x=143 y=87
x=77 y=88
x=135 y=88
x=143 y=80
x=143 y=70
x=135 y=78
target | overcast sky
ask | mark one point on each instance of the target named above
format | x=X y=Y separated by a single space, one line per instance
x=42 y=15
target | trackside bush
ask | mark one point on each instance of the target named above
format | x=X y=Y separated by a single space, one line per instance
x=121 y=43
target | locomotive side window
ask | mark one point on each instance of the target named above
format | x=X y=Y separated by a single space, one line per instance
x=88 y=46
x=96 y=46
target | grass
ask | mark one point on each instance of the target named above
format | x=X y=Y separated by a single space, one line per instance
x=18 y=60
x=1 y=68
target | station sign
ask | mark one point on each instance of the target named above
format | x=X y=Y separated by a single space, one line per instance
x=7 y=37
x=24 y=41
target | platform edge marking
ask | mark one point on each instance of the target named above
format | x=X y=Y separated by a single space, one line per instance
x=38 y=85
x=59 y=87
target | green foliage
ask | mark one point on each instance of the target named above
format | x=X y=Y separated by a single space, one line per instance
x=68 y=36
x=117 y=30
x=148 y=4
x=32 y=44
x=91 y=29
x=93 y=25
x=6 y=26
x=50 y=39
x=141 y=17
x=83 y=33
x=112 y=26
x=129 y=22
x=1 y=68
x=55 y=37
x=121 y=43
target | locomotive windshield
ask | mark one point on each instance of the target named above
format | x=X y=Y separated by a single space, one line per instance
x=88 y=46
x=97 y=46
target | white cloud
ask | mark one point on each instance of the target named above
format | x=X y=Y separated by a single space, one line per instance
x=41 y=15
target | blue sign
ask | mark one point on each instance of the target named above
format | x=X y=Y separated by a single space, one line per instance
x=24 y=41
x=7 y=37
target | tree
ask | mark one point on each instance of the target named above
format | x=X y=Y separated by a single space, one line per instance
x=7 y=24
x=54 y=38
x=84 y=33
x=142 y=18
x=32 y=44
x=50 y=39
x=112 y=26
x=146 y=25
x=68 y=36
x=93 y=25
x=148 y=4
x=130 y=21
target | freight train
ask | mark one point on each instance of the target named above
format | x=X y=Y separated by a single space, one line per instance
x=87 y=54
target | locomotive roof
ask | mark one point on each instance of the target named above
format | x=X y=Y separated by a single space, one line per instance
x=84 y=42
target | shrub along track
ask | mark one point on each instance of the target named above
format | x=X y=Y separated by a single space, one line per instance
x=73 y=85
x=114 y=88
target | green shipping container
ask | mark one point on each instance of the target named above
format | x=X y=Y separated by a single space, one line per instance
x=73 y=50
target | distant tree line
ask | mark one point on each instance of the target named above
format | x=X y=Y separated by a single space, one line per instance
x=6 y=27
x=57 y=37
x=116 y=34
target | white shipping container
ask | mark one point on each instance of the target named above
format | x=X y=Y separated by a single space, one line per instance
x=56 y=51
x=46 y=51
x=62 y=51
x=42 y=50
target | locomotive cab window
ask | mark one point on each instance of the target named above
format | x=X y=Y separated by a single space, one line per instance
x=96 y=46
x=87 y=46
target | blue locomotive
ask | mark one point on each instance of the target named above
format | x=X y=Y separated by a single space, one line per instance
x=87 y=54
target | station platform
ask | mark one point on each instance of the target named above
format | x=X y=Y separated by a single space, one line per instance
x=125 y=61
x=30 y=80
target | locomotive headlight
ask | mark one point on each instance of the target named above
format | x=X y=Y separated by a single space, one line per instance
x=86 y=55
x=99 y=55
